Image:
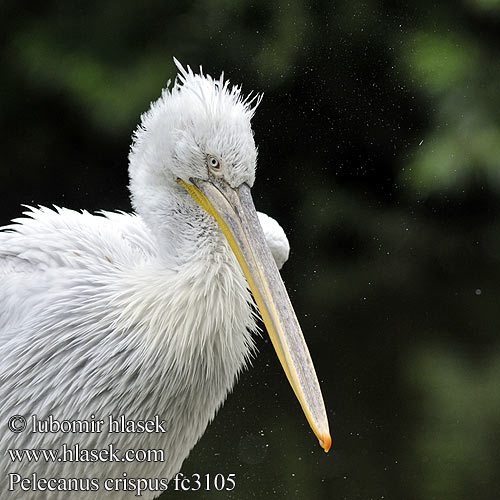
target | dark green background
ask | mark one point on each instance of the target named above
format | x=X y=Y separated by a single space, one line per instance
x=379 y=153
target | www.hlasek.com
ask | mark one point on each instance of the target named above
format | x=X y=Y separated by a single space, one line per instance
x=77 y=453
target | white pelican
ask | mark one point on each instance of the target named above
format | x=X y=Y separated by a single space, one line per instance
x=147 y=316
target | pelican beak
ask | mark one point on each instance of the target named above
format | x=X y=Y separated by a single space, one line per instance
x=234 y=211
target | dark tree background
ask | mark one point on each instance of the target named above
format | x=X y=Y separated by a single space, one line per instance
x=379 y=153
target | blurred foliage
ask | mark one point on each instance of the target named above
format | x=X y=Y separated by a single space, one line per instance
x=379 y=153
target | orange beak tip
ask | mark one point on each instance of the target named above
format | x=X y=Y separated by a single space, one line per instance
x=326 y=442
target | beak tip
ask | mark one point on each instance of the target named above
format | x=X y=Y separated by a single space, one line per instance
x=326 y=442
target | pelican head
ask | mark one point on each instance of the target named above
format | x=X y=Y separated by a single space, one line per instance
x=194 y=154
x=198 y=129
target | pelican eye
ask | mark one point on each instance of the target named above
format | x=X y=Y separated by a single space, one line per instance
x=213 y=163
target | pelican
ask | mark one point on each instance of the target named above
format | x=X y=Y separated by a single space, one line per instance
x=145 y=319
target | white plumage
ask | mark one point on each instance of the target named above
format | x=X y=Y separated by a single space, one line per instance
x=137 y=315
x=276 y=239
